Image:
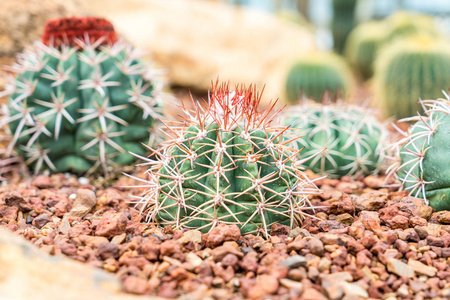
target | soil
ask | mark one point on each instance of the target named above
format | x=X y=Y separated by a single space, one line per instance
x=367 y=241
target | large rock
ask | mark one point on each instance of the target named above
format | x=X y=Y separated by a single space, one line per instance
x=28 y=273
x=199 y=41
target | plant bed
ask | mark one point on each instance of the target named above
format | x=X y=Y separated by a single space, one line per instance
x=367 y=242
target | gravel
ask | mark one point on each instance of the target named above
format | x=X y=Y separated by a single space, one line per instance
x=368 y=242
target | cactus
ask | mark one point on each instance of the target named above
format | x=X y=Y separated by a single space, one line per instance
x=343 y=22
x=407 y=24
x=362 y=46
x=81 y=99
x=409 y=70
x=226 y=164
x=424 y=169
x=316 y=74
x=349 y=138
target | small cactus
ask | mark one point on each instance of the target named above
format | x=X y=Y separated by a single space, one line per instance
x=348 y=139
x=409 y=70
x=81 y=99
x=315 y=74
x=226 y=164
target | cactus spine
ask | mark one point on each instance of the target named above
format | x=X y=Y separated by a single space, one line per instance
x=226 y=164
x=81 y=99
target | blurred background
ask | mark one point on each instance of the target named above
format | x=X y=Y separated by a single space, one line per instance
x=383 y=51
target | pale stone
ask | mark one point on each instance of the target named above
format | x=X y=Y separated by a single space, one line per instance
x=291 y=284
x=28 y=273
x=421 y=268
x=193 y=259
x=194 y=236
x=400 y=268
x=351 y=289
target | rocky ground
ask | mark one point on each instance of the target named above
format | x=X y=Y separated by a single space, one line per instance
x=369 y=242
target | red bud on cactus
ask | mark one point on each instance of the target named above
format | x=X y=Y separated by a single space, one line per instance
x=88 y=29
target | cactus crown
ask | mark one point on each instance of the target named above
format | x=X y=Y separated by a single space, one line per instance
x=423 y=168
x=80 y=108
x=226 y=164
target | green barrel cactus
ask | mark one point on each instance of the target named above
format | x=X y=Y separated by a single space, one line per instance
x=363 y=45
x=81 y=100
x=407 y=24
x=343 y=22
x=226 y=164
x=409 y=70
x=316 y=74
x=425 y=168
x=348 y=139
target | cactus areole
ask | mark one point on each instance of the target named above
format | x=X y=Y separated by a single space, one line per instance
x=226 y=164
x=81 y=99
x=424 y=152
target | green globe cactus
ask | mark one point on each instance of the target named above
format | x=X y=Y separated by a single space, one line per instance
x=81 y=99
x=226 y=164
x=316 y=74
x=362 y=46
x=424 y=170
x=409 y=70
x=348 y=139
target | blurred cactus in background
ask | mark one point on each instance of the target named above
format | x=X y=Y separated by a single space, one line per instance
x=409 y=70
x=424 y=168
x=81 y=99
x=315 y=74
x=343 y=22
x=406 y=24
x=348 y=139
x=362 y=46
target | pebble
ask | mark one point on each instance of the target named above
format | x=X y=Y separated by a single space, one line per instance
x=294 y=261
x=400 y=268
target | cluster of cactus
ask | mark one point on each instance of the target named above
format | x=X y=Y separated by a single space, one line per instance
x=317 y=74
x=81 y=99
x=343 y=22
x=367 y=39
x=424 y=152
x=348 y=139
x=409 y=70
x=226 y=164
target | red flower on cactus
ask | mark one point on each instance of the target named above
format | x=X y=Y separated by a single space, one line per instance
x=88 y=29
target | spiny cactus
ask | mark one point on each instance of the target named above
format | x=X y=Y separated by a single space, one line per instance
x=349 y=139
x=409 y=70
x=315 y=74
x=81 y=99
x=226 y=164
x=362 y=46
x=424 y=152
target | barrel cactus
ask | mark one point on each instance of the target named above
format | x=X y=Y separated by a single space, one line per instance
x=226 y=164
x=81 y=99
x=410 y=70
x=362 y=46
x=315 y=74
x=407 y=24
x=349 y=139
x=424 y=169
